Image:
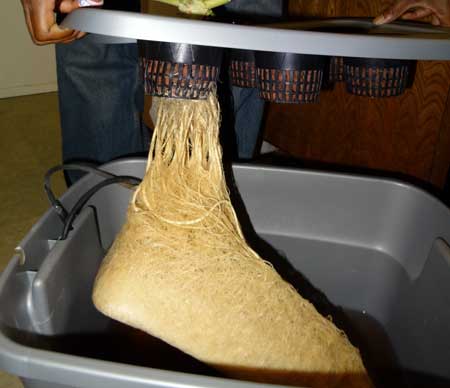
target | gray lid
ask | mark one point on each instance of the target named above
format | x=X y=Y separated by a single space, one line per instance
x=397 y=40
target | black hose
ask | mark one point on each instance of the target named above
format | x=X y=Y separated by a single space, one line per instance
x=130 y=180
x=55 y=203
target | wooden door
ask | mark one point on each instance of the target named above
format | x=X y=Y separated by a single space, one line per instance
x=409 y=134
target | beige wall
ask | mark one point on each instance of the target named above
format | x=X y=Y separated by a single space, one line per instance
x=24 y=67
x=29 y=69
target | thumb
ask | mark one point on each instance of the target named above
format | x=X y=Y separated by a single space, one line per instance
x=435 y=21
x=67 y=6
x=395 y=11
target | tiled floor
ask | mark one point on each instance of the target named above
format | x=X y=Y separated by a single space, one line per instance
x=7 y=381
x=29 y=145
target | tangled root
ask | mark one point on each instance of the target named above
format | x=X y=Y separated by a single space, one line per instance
x=181 y=270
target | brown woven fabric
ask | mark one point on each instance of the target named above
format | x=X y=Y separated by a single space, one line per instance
x=178 y=80
x=243 y=74
x=290 y=86
x=337 y=69
x=376 y=81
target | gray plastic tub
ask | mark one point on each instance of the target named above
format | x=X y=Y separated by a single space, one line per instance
x=377 y=248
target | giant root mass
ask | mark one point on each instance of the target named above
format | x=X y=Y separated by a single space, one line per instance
x=181 y=270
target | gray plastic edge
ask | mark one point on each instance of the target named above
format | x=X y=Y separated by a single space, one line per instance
x=66 y=369
x=130 y=25
x=296 y=172
x=110 y=166
x=26 y=362
x=13 y=357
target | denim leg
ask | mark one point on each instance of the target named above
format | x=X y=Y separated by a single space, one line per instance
x=248 y=107
x=272 y=8
x=100 y=100
x=248 y=113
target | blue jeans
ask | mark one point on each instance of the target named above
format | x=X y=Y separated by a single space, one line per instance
x=248 y=115
x=101 y=99
x=256 y=8
x=248 y=107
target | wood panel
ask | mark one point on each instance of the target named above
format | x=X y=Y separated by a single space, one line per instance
x=406 y=134
x=336 y=8
x=312 y=8
x=441 y=162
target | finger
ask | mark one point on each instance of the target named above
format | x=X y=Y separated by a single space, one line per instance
x=67 y=6
x=81 y=34
x=90 y=3
x=52 y=34
x=41 y=23
x=418 y=13
x=42 y=19
x=395 y=11
x=435 y=21
x=55 y=41
x=58 y=35
x=68 y=41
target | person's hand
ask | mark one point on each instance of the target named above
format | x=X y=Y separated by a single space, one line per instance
x=438 y=10
x=41 y=21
